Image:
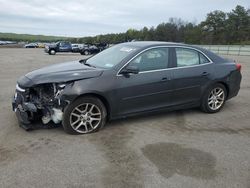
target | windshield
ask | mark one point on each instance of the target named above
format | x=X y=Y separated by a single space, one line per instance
x=111 y=56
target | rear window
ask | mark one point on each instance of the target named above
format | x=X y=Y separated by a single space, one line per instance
x=203 y=59
x=189 y=57
x=186 y=57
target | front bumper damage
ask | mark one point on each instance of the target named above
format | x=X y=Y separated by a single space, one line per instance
x=42 y=104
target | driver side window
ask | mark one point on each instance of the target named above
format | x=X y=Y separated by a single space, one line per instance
x=153 y=59
x=62 y=43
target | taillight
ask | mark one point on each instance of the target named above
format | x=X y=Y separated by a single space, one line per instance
x=238 y=66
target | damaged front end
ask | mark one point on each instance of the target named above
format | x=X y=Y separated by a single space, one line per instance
x=41 y=102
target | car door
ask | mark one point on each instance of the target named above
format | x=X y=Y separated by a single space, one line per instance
x=151 y=87
x=64 y=47
x=192 y=71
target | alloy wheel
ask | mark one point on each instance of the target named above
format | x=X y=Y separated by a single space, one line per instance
x=85 y=118
x=216 y=98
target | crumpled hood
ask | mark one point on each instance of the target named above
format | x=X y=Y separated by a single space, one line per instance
x=59 y=73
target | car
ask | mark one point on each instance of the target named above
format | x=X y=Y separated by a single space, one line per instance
x=102 y=46
x=76 y=48
x=60 y=46
x=89 y=49
x=3 y=42
x=31 y=45
x=40 y=45
x=64 y=46
x=125 y=80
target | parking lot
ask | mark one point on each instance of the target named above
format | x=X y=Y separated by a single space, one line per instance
x=185 y=148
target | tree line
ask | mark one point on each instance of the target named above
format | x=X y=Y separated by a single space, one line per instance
x=218 y=28
x=31 y=38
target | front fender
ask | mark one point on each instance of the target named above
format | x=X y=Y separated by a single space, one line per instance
x=79 y=88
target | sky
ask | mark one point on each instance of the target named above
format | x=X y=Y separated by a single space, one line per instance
x=79 y=18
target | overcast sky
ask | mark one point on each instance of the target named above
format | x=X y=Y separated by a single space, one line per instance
x=88 y=18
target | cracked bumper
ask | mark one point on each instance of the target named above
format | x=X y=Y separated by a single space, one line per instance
x=17 y=107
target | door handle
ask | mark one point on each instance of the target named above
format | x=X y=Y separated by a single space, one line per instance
x=205 y=74
x=164 y=79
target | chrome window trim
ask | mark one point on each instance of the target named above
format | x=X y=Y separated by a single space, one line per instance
x=210 y=61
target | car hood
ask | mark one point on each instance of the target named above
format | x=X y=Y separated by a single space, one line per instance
x=59 y=73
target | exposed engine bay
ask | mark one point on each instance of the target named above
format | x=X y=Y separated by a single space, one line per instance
x=41 y=102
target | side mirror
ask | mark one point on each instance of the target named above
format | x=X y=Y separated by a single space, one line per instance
x=130 y=70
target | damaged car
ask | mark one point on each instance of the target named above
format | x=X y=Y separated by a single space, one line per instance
x=124 y=80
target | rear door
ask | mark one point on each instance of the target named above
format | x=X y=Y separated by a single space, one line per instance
x=192 y=71
x=151 y=88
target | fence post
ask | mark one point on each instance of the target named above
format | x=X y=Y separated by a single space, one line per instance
x=239 y=51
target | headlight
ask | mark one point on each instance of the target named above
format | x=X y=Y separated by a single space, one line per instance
x=61 y=86
x=58 y=88
x=19 y=88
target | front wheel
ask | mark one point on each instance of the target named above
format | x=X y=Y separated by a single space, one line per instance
x=84 y=115
x=214 y=99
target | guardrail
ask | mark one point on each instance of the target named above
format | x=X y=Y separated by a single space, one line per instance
x=239 y=50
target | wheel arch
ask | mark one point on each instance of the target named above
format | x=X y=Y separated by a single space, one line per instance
x=217 y=82
x=86 y=50
x=225 y=85
x=101 y=97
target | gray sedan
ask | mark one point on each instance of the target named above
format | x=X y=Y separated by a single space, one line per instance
x=124 y=80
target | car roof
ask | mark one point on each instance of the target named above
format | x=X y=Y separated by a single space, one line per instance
x=146 y=44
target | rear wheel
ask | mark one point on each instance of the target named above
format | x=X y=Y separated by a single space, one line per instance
x=85 y=115
x=52 y=52
x=86 y=52
x=214 y=98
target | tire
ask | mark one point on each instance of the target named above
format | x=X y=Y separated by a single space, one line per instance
x=52 y=52
x=86 y=52
x=214 y=98
x=78 y=120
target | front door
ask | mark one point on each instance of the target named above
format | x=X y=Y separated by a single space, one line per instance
x=151 y=87
x=64 y=47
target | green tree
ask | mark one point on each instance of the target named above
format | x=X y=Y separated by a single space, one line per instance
x=218 y=28
x=214 y=27
x=192 y=34
x=166 y=32
x=238 y=24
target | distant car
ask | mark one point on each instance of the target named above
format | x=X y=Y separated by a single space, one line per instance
x=61 y=46
x=76 y=48
x=11 y=42
x=90 y=49
x=124 y=80
x=31 y=45
x=40 y=45
x=102 y=46
x=7 y=42
x=2 y=42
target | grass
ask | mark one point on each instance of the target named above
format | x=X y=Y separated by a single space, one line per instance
x=30 y=38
